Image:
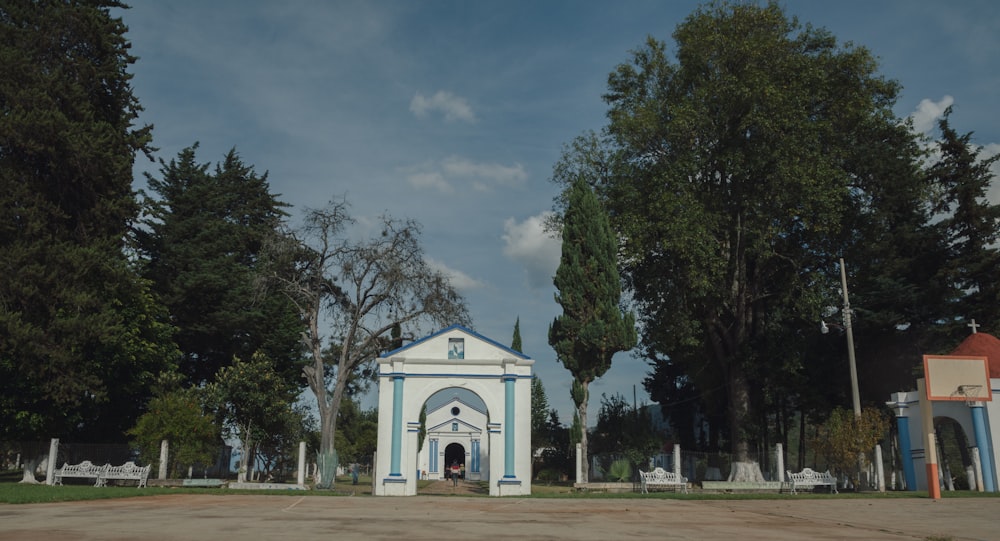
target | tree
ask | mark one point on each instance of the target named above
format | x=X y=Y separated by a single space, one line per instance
x=735 y=176
x=201 y=246
x=844 y=437
x=515 y=342
x=592 y=327
x=364 y=289
x=971 y=225
x=624 y=430
x=252 y=400
x=81 y=338
x=180 y=417
x=539 y=417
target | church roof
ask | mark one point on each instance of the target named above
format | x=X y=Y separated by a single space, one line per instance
x=981 y=344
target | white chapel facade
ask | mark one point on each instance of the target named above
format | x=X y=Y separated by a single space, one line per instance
x=491 y=441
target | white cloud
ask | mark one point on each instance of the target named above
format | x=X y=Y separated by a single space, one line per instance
x=532 y=246
x=458 y=279
x=455 y=170
x=451 y=106
x=429 y=180
x=929 y=112
x=505 y=175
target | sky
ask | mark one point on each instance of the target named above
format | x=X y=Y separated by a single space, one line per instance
x=453 y=113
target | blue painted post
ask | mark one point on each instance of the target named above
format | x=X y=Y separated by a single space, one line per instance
x=508 y=428
x=397 y=426
x=985 y=449
x=909 y=472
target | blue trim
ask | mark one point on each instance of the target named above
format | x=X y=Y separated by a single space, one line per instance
x=508 y=428
x=394 y=479
x=985 y=449
x=465 y=376
x=467 y=331
x=909 y=473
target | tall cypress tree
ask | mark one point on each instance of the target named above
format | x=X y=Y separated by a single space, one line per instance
x=80 y=337
x=592 y=327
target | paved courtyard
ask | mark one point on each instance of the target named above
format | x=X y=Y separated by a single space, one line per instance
x=235 y=517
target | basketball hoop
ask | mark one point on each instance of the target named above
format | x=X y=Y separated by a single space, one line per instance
x=971 y=394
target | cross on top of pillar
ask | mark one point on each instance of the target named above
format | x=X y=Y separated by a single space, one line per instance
x=974 y=326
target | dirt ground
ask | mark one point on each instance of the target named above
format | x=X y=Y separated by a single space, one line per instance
x=235 y=517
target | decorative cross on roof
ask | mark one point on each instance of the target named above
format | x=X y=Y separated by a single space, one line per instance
x=974 y=326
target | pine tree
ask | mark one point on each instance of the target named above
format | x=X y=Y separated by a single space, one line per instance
x=80 y=337
x=201 y=246
x=592 y=327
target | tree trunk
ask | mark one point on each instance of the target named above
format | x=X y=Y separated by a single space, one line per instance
x=29 y=471
x=739 y=408
x=581 y=411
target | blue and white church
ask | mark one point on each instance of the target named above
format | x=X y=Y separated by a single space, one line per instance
x=491 y=440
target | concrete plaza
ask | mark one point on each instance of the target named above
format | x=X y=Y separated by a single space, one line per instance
x=233 y=517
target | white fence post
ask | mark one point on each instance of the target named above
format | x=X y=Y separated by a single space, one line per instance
x=302 y=463
x=779 y=459
x=164 y=460
x=579 y=464
x=677 y=458
x=50 y=468
x=879 y=469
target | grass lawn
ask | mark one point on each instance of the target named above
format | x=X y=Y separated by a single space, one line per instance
x=12 y=492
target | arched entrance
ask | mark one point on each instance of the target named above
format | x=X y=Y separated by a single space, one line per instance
x=495 y=443
x=954 y=458
x=454 y=455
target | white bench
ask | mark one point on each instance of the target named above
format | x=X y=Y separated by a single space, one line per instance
x=83 y=470
x=662 y=478
x=126 y=472
x=812 y=479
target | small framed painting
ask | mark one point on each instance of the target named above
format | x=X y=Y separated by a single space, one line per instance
x=456 y=348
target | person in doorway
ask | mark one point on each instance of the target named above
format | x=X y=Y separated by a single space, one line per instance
x=455 y=471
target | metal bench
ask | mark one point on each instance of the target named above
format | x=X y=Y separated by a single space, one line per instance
x=661 y=478
x=811 y=479
x=126 y=472
x=83 y=470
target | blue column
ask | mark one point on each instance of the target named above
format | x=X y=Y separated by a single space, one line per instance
x=397 y=426
x=508 y=427
x=903 y=423
x=985 y=449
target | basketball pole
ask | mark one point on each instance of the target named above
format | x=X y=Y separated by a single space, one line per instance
x=855 y=395
x=930 y=443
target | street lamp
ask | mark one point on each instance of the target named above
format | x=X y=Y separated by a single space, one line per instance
x=823 y=328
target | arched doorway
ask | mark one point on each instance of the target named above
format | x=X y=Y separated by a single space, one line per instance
x=496 y=445
x=954 y=458
x=454 y=454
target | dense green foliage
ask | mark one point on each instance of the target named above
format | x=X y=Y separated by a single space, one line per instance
x=201 y=246
x=736 y=172
x=624 y=430
x=182 y=418
x=592 y=327
x=255 y=404
x=81 y=339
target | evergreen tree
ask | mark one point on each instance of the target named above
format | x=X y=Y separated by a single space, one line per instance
x=515 y=343
x=736 y=172
x=201 y=245
x=81 y=338
x=592 y=327
x=971 y=225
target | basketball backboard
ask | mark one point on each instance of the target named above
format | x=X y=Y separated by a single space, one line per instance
x=951 y=377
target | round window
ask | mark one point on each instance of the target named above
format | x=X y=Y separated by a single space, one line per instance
x=455 y=410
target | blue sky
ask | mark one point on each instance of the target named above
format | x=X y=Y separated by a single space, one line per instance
x=453 y=113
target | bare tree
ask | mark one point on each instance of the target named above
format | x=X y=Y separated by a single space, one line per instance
x=362 y=289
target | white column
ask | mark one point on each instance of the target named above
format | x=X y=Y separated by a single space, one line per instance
x=50 y=469
x=302 y=463
x=579 y=464
x=879 y=469
x=677 y=458
x=779 y=459
x=164 y=460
